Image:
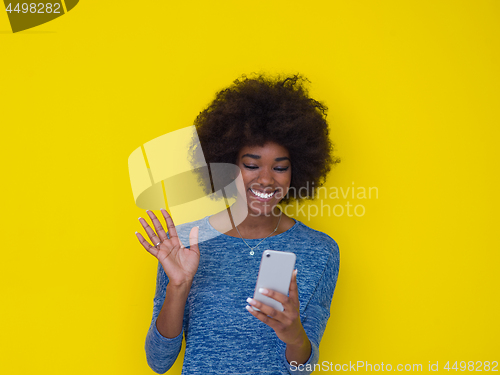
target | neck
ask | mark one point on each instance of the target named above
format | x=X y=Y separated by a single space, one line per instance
x=259 y=226
x=250 y=226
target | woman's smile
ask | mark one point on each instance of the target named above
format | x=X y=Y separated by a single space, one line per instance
x=263 y=196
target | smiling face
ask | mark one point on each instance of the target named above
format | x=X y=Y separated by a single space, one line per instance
x=266 y=173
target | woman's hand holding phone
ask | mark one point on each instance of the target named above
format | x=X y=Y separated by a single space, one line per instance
x=179 y=262
x=286 y=323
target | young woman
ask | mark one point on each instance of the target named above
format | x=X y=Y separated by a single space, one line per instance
x=278 y=137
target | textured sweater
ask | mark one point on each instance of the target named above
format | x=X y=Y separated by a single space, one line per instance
x=222 y=337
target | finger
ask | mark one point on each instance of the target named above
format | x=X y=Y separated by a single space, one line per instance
x=172 y=232
x=286 y=301
x=150 y=232
x=153 y=250
x=162 y=235
x=193 y=239
x=273 y=323
x=280 y=297
x=294 y=289
x=267 y=310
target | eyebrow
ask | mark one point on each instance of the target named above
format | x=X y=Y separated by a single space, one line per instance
x=258 y=157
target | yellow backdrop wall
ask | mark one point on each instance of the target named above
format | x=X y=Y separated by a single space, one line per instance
x=412 y=90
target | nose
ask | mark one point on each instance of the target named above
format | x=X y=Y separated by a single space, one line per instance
x=265 y=177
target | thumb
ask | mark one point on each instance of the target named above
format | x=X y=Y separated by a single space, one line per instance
x=193 y=239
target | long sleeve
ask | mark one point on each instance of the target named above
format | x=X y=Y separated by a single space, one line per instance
x=161 y=352
x=316 y=315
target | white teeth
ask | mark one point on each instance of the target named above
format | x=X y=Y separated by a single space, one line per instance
x=263 y=195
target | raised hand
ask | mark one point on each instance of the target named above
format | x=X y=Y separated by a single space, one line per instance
x=179 y=262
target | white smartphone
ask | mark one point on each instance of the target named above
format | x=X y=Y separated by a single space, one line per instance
x=275 y=273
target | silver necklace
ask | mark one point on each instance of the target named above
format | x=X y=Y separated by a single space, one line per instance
x=251 y=248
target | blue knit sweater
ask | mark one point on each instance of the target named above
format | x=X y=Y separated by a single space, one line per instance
x=222 y=337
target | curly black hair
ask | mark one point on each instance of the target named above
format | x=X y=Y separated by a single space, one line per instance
x=254 y=111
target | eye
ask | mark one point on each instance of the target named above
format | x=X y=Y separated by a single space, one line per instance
x=249 y=166
x=281 y=169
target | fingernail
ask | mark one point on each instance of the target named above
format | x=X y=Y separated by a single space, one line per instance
x=162 y=209
x=263 y=291
x=139 y=218
x=250 y=301
x=248 y=308
x=295 y=272
x=136 y=232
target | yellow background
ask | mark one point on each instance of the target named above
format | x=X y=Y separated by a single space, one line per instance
x=413 y=92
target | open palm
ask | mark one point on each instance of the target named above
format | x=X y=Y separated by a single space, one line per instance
x=179 y=262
